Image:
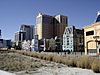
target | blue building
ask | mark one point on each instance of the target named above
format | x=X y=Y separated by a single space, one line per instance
x=1 y=43
x=5 y=43
x=73 y=39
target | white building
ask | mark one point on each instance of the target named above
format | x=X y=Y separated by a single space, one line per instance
x=68 y=39
x=31 y=45
x=73 y=39
x=26 y=45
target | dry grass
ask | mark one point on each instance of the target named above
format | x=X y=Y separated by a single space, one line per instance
x=17 y=62
x=96 y=66
x=82 y=62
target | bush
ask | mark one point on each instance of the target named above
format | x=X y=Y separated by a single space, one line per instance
x=57 y=59
x=17 y=62
x=84 y=62
x=96 y=66
x=49 y=57
x=72 y=62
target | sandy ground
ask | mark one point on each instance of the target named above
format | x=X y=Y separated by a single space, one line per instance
x=51 y=68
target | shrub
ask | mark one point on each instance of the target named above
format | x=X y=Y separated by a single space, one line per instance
x=96 y=66
x=49 y=57
x=84 y=62
x=72 y=62
x=17 y=62
x=57 y=59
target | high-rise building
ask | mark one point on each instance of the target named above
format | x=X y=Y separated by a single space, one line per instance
x=60 y=24
x=44 y=25
x=50 y=26
x=29 y=29
x=20 y=36
x=73 y=39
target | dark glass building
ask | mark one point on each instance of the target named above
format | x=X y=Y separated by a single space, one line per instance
x=29 y=29
x=20 y=36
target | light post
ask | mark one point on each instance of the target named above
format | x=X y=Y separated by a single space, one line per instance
x=96 y=37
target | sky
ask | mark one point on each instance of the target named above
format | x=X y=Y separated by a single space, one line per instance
x=13 y=13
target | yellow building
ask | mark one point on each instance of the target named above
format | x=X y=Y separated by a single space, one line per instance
x=92 y=39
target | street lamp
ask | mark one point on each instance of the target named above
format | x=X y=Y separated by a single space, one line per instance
x=96 y=37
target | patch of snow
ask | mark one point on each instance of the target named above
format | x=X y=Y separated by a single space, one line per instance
x=5 y=73
x=64 y=71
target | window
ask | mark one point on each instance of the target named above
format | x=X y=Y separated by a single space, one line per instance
x=89 y=33
x=67 y=41
x=98 y=42
x=47 y=20
x=39 y=20
x=61 y=19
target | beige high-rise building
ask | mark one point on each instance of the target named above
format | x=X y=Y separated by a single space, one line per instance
x=50 y=26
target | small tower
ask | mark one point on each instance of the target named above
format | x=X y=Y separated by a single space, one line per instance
x=98 y=13
x=98 y=17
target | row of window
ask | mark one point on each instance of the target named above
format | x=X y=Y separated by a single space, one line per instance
x=68 y=47
x=90 y=33
x=50 y=20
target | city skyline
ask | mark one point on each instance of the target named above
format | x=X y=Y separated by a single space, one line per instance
x=14 y=13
